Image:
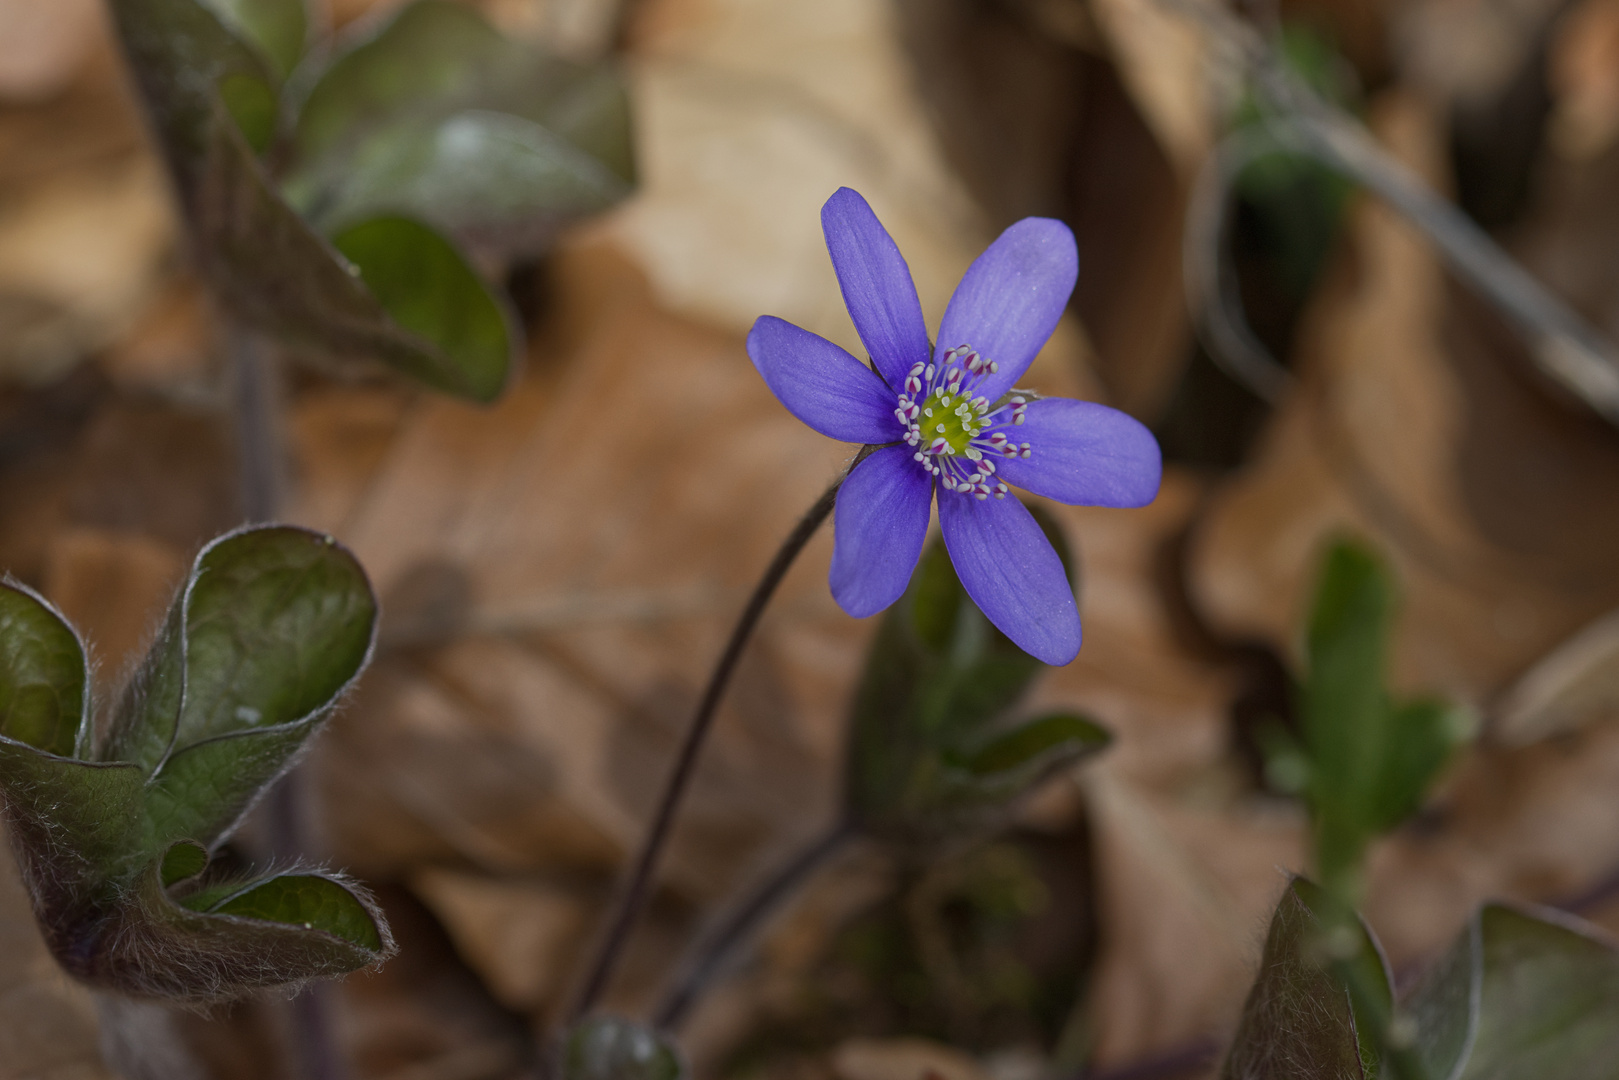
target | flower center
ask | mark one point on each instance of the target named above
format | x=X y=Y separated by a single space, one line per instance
x=952 y=418
x=957 y=432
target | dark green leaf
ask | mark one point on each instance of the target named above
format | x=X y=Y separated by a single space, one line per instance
x=272 y=626
x=269 y=270
x=279 y=621
x=1059 y=734
x=43 y=674
x=252 y=104
x=1445 y=1005
x=307 y=901
x=1521 y=996
x=184 y=860
x=1369 y=762
x=1422 y=736
x=143 y=722
x=608 y=1048
x=429 y=290
x=203 y=790
x=1298 y=1020
x=428 y=52
x=938 y=681
x=144 y=943
x=277 y=28
x=180 y=51
x=74 y=823
x=1344 y=702
x=441 y=118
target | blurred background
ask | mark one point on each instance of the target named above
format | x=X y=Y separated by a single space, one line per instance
x=558 y=570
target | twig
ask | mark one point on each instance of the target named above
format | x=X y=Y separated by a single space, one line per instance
x=1211 y=282
x=740 y=923
x=313 y=1054
x=632 y=898
x=1563 y=345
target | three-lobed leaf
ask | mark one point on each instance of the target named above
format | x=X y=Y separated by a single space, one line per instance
x=214 y=101
x=271 y=628
x=441 y=117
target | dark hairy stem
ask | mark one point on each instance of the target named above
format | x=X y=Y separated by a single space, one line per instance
x=740 y=923
x=632 y=898
x=313 y=1054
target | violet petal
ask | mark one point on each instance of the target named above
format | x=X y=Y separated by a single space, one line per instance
x=879 y=525
x=877 y=286
x=1008 y=567
x=1010 y=299
x=822 y=385
x=1084 y=454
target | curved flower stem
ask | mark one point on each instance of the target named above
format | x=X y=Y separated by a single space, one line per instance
x=632 y=898
x=743 y=919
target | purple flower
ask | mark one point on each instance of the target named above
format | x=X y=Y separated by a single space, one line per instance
x=950 y=421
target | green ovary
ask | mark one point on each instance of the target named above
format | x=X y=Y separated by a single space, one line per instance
x=951 y=417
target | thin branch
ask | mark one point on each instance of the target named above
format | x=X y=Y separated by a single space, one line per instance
x=1565 y=347
x=743 y=920
x=633 y=897
x=1211 y=281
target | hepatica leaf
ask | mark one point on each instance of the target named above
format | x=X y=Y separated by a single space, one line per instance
x=429 y=290
x=271 y=628
x=440 y=117
x=309 y=901
x=43 y=676
x=930 y=752
x=277 y=29
x=1521 y=996
x=1299 y=1020
x=210 y=74
x=1032 y=744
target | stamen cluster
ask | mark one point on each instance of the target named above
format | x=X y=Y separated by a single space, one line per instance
x=946 y=421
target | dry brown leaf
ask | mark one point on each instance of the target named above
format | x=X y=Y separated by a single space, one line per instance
x=43 y=45
x=79 y=255
x=1575 y=684
x=1532 y=823
x=48 y=1025
x=170 y=350
x=424 y=1016
x=523 y=938
x=1416 y=426
x=1466 y=52
x=749 y=117
x=1163 y=57
x=114 y=589
x=1166 y=708
x=1186 y=890
x=1584 y=80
